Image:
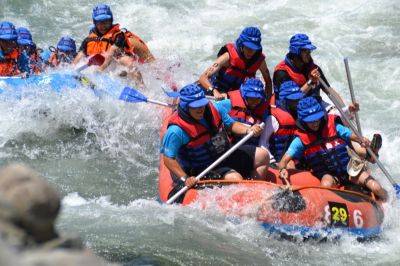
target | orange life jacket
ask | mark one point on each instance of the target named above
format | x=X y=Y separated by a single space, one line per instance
x=52 y=61
x=130 y=37
x=35 y=62
x=9 y=63
x=98 y=44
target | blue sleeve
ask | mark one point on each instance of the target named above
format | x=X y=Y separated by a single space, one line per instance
x=45 y=55
x=173 y=139
x=224 y=103
x=343 y=132
x=23 y=63
x=228 y=121
x=296 y=148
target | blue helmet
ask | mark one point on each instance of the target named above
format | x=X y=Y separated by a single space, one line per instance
x=24 y=36
x=251 y=38
x=289 y=90
x=309 y=110
x=66 y=44
x=300 y=41
x=101 y=12
x=253 y=88
x=7 y=31
x=193 y=96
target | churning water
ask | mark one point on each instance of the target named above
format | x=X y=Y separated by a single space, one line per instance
x=103 y=153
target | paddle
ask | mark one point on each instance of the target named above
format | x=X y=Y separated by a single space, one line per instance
x=353 y=98
x=214 y=164
x=96 y=60
x=336 y=103
x=134 y=96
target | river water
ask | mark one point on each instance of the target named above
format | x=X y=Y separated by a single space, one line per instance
x=103 y=154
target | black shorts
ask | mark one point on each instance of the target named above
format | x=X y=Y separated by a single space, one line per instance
x=341 y=180
x=241 y=161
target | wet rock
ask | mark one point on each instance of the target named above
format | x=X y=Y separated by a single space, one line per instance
x=28 y=209
x=35 y=201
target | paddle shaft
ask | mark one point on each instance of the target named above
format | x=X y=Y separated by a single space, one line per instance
x=214 y=164
x=81 y=68
x=336 y=103
x=11 y=77
x=160 y=103
x=95 y=60
x=353 y=98
x=210 y=97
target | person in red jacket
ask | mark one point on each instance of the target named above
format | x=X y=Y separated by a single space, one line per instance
x=237 y=62
x=247 y=105
x=320 y=143
x=299 y=66
x=197 y=136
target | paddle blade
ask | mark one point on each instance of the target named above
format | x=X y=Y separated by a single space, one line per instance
x=96 y=60
x=171 y=94
x=131 y=95
x=397 y=190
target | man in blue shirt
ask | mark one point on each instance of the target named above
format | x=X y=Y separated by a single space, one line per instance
x=321 y=144
x=197 y=136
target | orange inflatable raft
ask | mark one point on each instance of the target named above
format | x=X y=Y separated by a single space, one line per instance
x=304 y=209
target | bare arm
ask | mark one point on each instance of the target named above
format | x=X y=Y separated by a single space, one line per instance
x=78 y=58
x=177 y=170
x=315 y=75
x=222 y=61
x=337 y=96
x=142 y=50
x=173 y=165
x=108 y=55
x=365 y=142
x=283 y=173
x=267 y=78
x=242 y=129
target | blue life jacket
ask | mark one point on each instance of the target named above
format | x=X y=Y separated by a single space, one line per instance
x=205 y=145
x=325 y=154
x=228 y=79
